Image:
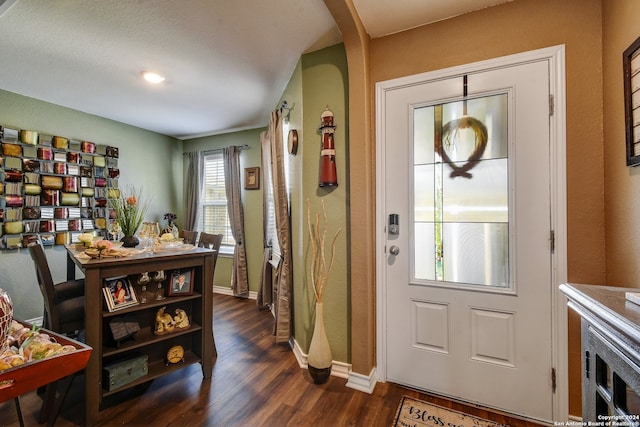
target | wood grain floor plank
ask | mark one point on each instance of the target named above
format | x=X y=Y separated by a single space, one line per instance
x=254 y=383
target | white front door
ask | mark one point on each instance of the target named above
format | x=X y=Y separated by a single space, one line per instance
x=467 y=272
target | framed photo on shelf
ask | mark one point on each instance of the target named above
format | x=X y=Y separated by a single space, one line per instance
x=181 y=283
x=631 y=68
x=118 y=293
x=252 y=178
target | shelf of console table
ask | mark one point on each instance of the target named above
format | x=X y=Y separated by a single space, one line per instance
x=197 y=340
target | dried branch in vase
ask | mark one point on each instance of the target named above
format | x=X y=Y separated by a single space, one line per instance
x=320 y=270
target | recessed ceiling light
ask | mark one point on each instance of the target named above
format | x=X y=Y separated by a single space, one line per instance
x=152 y=77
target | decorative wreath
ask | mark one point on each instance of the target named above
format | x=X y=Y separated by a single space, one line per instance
x=449 y=136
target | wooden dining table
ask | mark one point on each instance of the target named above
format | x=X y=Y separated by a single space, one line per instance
x=197 y=340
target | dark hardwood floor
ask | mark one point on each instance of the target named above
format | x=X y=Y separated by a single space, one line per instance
x=254 y=383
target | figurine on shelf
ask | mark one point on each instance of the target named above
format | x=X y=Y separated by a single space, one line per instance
x=159 y=277
x=142 y=280
x=171 y=227
x=181 y=320
x=164 y=322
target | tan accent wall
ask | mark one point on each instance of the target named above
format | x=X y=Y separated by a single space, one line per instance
x=514 y=27
x=622 y=184
x=362 y=188
x=521 y=26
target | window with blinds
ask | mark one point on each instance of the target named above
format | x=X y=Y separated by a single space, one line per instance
x=271 y=233
x=213 y=217
x=269 y=208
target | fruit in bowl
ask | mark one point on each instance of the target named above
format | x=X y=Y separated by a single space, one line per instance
x=93 y=253
x=167 y=240
x=171 y=243
x=167 y=237
x=88 y=238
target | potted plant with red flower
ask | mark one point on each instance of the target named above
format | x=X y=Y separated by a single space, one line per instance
x=130 y=213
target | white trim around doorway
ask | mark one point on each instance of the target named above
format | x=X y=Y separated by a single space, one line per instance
x=556 y=57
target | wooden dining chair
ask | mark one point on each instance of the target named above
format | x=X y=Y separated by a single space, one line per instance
x=210 y=241
x=63 y=313
x=63 y=302
x=190 y=237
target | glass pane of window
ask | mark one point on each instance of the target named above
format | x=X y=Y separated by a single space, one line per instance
x=475 y=253
x=425 y=257
x=270 y=209
x=423 y=193
x=213 y=215
x=461 y=192
x=423 y=129
x=492 y=112
x=484 y=198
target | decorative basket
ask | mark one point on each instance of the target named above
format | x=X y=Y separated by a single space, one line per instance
x=6 y=315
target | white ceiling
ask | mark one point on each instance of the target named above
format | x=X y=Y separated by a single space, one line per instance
x=226 y=62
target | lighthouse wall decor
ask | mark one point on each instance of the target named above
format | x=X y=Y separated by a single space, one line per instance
x=328 y=176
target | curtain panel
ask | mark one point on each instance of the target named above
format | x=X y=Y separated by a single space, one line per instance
x=192 y=195
x=265 y=292
x=282 y=304
x=239 y=277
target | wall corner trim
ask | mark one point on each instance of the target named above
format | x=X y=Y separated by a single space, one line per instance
x=364 y=383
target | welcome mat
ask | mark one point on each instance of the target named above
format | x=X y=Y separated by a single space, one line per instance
x=416 y=413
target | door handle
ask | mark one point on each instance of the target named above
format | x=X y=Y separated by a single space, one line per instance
x=394 y=250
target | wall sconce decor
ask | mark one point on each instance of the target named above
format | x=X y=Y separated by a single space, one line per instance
x=631 y=68
x=328 y=176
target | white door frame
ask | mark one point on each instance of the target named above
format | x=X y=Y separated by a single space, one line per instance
x=556 y=57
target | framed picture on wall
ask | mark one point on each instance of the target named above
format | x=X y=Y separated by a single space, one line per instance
x=631 y=68
x=252 y=178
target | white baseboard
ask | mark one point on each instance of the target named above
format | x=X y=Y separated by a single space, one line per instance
x=298 y=353
x=364 y=383
x=228 y=291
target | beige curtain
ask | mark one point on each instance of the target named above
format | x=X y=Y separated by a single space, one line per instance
x=282 y=302
x=265 y=292
x=265 y=297
x=194 y=178
x=239 y=276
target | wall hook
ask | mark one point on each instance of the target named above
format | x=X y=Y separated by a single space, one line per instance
x=285 y=106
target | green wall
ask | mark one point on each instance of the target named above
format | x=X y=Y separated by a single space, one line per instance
x=320 y=81
x=155 y=163
x=147 y=160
